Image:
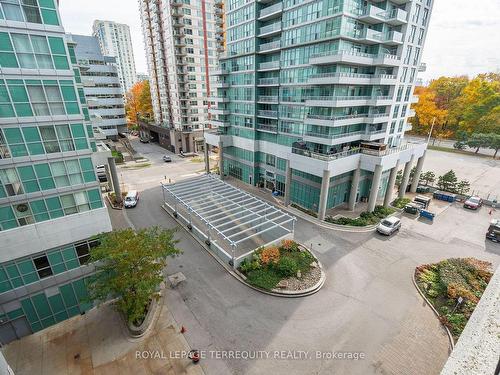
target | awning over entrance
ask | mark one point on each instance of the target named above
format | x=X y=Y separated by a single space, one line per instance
x=235 y=220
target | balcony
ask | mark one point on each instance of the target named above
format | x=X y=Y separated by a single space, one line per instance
x=269 y=65
x=219 y=99
x=351 y=79
x=353 y=57
x=372 y=14
x=221 y=84
x=373 y=36
x=273 y=81
x=373 y=135
x=393 y=38
x=219 y=123
x=215 y=136
x=368 y=118
x=271 y=12
x=268 y=98
x=269 y=30
x=332 y=139
x=326 y=157
x=176 y=3
x=411 y=113
x=267 y=113
x=219 y=111
x=270 y=128
x=396 y=17
x=270 y=47
x=414 y=99
x=347 y=101
x=220 y=72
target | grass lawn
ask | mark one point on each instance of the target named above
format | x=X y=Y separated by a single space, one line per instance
x=444 y=282
x=271 y=265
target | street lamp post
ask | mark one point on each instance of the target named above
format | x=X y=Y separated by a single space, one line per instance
x=430 y=132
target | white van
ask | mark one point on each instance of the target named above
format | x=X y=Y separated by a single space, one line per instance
x=131 y=199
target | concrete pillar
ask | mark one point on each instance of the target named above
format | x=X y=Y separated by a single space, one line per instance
x=323 y=196
x=221 y=160
x=372 y=201
x=354 y=188
x=418 y=171
x=207 y=159
x=389 y=193
x=114 y=179
x=288 y=183
x=406 y=178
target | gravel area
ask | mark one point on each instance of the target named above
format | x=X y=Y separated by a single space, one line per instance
x=305 y=282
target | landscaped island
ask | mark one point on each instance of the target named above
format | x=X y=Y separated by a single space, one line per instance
x=364 y=219
x=289 y=266
x=454 y=287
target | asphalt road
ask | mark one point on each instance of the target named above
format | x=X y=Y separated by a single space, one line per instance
x=368 y=304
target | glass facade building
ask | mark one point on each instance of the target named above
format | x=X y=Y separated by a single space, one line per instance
x=50 y=199
x=313 y=97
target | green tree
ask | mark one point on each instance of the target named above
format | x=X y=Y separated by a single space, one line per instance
x=428 y=177
x=448 y=181
x=129 y=267
x=477 y=141
x=494 y=143
x=463 y=187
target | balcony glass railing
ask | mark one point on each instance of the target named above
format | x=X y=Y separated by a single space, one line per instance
x=267 y=127
x=333 y=136
x=354 y=53
x=267 y=113
x=325 y=157
x=269 y=81
x=271 y=9
x=269 y=46
x=346 y=117
x=270 y=28
x=351 y=75
x=269 y=65
x=268 y=98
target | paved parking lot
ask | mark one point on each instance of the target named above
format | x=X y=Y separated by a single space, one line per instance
x=483 y=173
x=368 y=303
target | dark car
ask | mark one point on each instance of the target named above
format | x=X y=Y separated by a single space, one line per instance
x=167 y=158
x=144 y=140
x=493 y=232
x=473 y=203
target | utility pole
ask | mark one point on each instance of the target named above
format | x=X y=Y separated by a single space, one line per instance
x=432 y=128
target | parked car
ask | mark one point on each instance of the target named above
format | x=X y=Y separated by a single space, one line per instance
x=131 y=199
x=473 y=203
x=389 y=225
x=101 y=173
x=167 y=158
x=493 y=232
x=144 y=140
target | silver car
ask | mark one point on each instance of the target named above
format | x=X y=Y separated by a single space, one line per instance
x=389 y=225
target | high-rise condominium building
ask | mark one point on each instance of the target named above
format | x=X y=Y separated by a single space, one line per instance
x=181 y=51
x=50 y=200
x=313 y=97
x=115 y=41
x=101 y=86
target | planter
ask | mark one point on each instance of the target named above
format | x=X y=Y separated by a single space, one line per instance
x=140 y=330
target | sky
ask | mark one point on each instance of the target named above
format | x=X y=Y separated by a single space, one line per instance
x=463 y=36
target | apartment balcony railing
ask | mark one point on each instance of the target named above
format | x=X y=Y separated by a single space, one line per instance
x=325 y=157
x=270 y=46
x=268 y=127
x=267 y=113
x=275 y=27
x=333 y=136
x=327 y=57
x=269 y=65
x=269 y=81
x=334 y=119
x=268 y=98
x=276 y=8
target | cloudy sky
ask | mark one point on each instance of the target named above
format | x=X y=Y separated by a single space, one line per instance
x=463 y=38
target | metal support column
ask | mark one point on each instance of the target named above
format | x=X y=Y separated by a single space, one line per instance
x=221 y=160
x=114 y=179
x=372 y=201
x=389 y=193
x=288 y=183
x=406 y=178
x=354 y=188
x=323 y=197
x=207 y=159
x=418 y=171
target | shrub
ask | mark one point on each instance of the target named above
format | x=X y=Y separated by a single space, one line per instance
x=270 y=255
x=264 y=278
x=401 y=202
x=249 y=265
x=305 y=210
x=287 y=267
x=289 y=245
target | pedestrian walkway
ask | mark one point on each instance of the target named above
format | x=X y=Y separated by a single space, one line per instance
x=98 y=343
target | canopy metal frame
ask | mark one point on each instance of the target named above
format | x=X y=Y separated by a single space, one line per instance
x=233 y=214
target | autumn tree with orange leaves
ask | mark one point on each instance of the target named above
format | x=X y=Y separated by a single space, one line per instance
x=138 y=101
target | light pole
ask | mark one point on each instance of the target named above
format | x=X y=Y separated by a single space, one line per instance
x=432 y=128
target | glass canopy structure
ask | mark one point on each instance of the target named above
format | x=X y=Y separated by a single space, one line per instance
x=233 y=222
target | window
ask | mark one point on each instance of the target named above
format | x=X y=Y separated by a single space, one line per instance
x=82 y=251
x=425 y=16
x=4 y=150
x=42 y=266
x=420 y=36
x=416 y=57
x=49 y=139
x=22 y=46
x=23 y=214
x=11 y=182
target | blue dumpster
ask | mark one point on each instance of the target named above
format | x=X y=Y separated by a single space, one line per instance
x=444 y=196
x=427 y=215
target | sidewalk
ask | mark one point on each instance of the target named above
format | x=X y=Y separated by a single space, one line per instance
x=97 y=343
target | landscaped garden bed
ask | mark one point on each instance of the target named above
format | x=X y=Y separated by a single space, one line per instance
x=401 y=202
x=450 y=281
x=364 y=219
x=289 y=267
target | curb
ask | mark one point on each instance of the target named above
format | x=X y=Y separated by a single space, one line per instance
x=236 y=275
x=450 y=337
x=112 y=205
